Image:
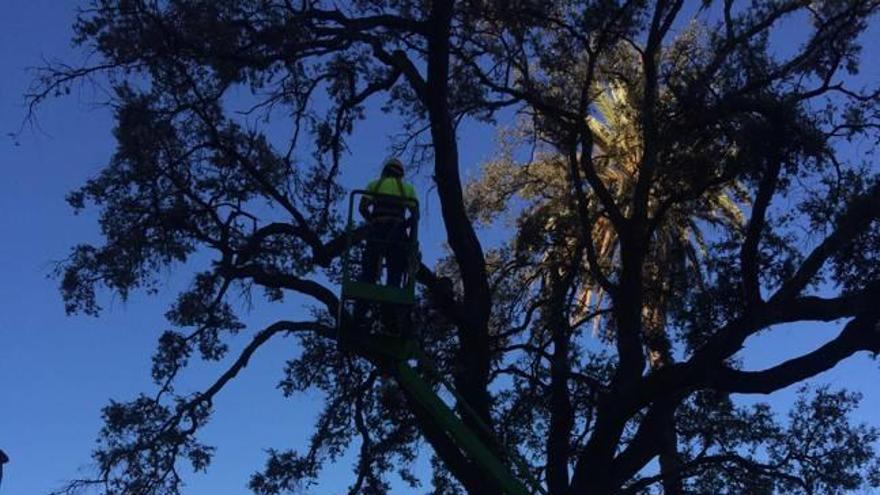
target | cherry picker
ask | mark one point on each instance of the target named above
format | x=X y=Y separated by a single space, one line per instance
x=377 y=339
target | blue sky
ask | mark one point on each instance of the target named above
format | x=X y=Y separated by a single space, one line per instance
x=56 y=372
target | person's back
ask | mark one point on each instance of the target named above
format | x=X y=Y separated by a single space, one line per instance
x=393 y=196
x=387 y=206
x=385 y=211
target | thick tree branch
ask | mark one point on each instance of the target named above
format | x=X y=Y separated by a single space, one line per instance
x=278 y=280
x=860 y=334
x=323 y=253
x=860 y=213
x=259 y=339
x=729 y=339
x=386 y=21
x=754 y=230
x=575 y=165
x=694 y=467
x=814 y=308
x=588 y=167
x=474 y=352
x=648 y=440
x=665 y=12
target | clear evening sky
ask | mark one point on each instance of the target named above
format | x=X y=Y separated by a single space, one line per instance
x=56 y=372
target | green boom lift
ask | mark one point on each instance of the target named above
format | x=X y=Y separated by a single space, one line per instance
x=401 y=349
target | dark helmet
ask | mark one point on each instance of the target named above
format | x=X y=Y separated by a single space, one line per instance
x=392 y=167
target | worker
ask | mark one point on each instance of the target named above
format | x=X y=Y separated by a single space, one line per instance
x=385 y=213
x=389 y=229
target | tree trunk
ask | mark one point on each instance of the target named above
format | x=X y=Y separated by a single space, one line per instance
x=561 y=412
x=472 y=377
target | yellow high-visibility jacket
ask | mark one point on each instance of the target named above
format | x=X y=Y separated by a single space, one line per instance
x=389 y=210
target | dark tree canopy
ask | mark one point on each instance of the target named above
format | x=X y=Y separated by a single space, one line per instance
x=665 y=164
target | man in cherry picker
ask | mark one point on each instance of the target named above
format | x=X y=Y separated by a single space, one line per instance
x=389 y=226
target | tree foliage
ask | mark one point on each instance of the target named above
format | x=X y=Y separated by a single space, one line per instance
x=681 y=198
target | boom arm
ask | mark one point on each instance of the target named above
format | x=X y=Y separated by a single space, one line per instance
x=469 y=442
x=396 y=352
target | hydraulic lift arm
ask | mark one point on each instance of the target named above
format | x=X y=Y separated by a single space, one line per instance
x=469 y=442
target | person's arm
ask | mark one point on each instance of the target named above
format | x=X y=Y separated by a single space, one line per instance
x=366 y=201
x=412 y=205
x=364 y=207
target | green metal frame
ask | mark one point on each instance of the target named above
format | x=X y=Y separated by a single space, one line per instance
x=352 y=289
x=463 y=436
x=401 y=351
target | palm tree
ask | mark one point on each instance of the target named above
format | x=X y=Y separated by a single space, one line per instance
x=678 y=242
x=542 y=182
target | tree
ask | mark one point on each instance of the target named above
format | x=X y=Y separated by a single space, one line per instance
x=3 y=460
x=714 y=109
x=617 y=149
x=678 y=243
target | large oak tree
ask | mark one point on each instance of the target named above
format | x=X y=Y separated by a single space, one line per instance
x=714 y=106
